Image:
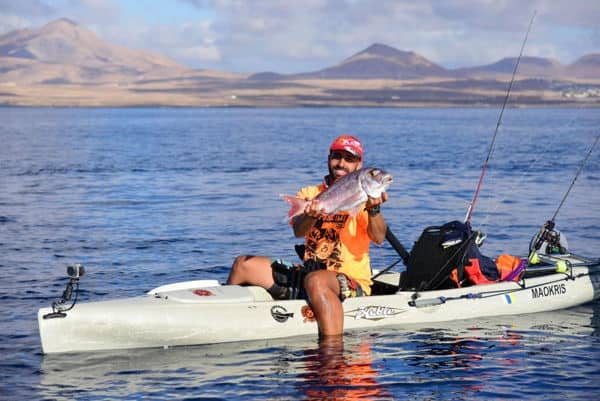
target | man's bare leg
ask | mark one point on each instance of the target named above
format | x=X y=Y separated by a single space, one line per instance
x=323 y=289
x=251 y=270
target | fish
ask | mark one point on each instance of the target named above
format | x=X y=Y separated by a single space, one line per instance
x=346 y=194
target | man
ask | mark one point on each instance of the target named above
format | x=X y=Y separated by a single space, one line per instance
x=339 y=242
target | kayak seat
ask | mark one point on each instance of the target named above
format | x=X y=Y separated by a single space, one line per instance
x=385 y=284
x=436 y=253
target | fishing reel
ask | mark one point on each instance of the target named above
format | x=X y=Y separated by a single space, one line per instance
x=59 y=307
x=549 y=240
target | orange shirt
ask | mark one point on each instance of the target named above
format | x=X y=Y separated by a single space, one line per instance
x=340 y=241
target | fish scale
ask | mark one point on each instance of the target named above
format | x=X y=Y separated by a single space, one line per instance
x=346 y=194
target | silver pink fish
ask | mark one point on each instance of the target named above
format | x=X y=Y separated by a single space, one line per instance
x=346 y=194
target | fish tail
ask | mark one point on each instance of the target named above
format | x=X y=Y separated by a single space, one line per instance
x=297 y=205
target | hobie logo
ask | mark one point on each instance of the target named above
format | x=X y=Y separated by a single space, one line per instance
x=280 y=314
x=374 y=312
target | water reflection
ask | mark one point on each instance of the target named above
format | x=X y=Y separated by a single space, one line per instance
x=457 y=360
x=596 y=318
x=335 y=372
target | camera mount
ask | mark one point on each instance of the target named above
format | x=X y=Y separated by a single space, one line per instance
x=59 y=307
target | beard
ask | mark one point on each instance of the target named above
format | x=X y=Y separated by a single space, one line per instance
x=338 y=172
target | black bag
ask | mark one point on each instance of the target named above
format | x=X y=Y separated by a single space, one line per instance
x=438 y=251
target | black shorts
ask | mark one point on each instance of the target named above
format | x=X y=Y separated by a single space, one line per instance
x=283 y=272
x=292 y=276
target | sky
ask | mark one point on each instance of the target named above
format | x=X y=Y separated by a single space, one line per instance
x=292 y=36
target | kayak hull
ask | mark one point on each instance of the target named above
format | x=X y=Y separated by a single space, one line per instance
x=219 y=314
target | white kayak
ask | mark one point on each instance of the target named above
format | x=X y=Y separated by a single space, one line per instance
x=204 y=312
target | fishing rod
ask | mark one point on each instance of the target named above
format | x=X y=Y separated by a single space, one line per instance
x=520 y=179
x=547 y=232
x=398 y=247
x=491 y=148
x=575 y=178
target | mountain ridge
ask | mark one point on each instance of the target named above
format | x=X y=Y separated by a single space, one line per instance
x=378 y=61
x=64 y=63
x=64 y=50
x=65 y=42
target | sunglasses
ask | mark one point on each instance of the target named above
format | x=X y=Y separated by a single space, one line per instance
x=348 y=157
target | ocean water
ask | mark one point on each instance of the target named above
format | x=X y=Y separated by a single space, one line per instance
x=144 y=197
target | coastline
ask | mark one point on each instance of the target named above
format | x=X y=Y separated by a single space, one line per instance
x=219 y=92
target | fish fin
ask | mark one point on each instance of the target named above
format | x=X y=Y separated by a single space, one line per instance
x=297 y=205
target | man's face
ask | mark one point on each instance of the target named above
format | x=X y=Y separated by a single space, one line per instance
x=342 y=163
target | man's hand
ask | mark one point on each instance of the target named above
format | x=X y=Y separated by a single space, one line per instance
x=313 y=209
x=374 y=202
x=304 y=222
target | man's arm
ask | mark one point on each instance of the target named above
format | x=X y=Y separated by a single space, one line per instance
x=304 y=222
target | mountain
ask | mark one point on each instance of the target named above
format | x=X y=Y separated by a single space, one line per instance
x=65 y=64
x=379 y=61
x=64 y=52
x=267 y=76
x=587 y=66
x=528 y=66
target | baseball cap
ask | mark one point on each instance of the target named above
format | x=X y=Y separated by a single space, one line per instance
x=348 y=143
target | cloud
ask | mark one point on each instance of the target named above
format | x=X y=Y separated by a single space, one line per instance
x=26 y=8
x=312 y=34
x=22 y=14
x=191 y=44
x=94 y=12
x=11 y=22
x=272 y=35
x=198 y=54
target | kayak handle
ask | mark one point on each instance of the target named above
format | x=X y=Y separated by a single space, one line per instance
x=422 y=303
